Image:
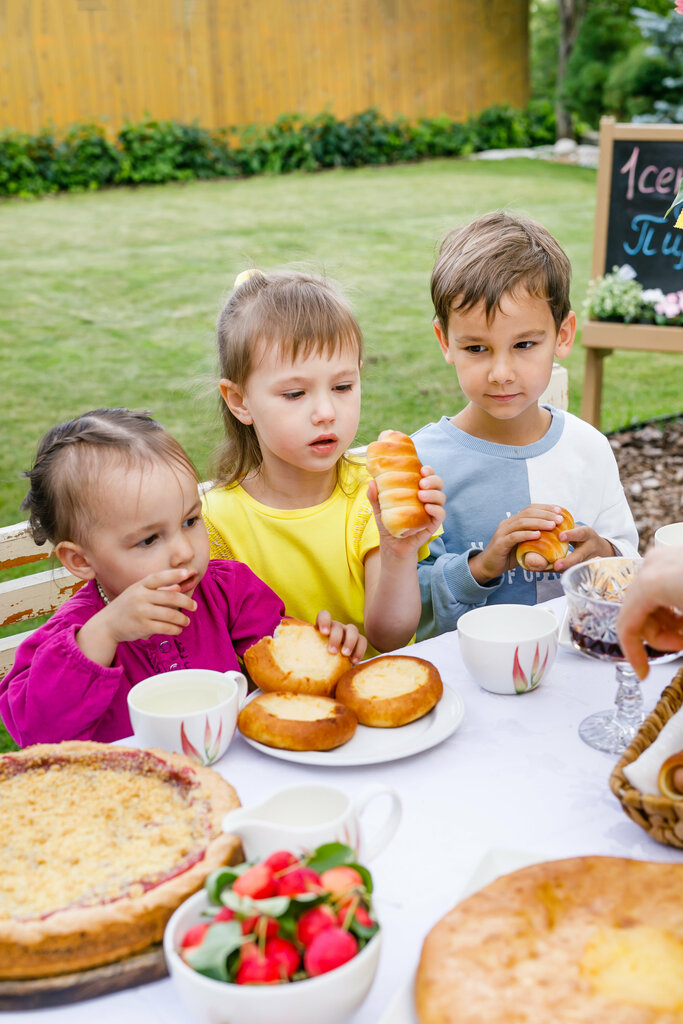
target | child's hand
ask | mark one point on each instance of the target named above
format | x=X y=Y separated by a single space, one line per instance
x=153 y=605
x=344 y=638
x=586 y=543
x=499 y=554
x=431 y=494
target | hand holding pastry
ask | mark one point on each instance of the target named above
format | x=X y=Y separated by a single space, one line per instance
x=540 y=555
x=410 y=496
x=586 y=544
x=499 y=555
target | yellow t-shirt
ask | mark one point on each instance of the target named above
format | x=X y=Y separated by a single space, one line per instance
x=311 y=557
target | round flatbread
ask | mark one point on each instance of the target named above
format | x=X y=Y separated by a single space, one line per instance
x=591 y=940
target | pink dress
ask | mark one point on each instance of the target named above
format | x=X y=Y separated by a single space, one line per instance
x=53 y=692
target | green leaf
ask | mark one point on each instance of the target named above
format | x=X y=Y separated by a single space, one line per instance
x=273 y=906
x=363 y=931
x=211 y=957
x=365 y=875
x=330 y=855
x=221 y=877
x=676 y=201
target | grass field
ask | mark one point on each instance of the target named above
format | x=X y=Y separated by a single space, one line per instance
x=111 y=298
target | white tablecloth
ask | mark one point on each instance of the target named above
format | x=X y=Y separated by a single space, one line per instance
x=514 y=776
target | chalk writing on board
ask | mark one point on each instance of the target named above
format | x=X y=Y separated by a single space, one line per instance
x=645 y=178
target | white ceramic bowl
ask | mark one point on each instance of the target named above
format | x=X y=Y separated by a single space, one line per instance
x=670 y=535
x=508 y=648
x=327 y=999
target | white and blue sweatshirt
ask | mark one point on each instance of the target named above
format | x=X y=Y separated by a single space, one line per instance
x=572 y=465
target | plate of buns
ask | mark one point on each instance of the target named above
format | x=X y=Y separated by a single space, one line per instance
x=316 y=708
x=370 y=745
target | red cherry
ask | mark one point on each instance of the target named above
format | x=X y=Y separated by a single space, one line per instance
x=224 y=914
x=284 y=954
x=342 y=879
x=255 y=968
x=314 y=921
x=194 y=935
x=331 y=948
x=280 y=860
x=254 y=924
x=257 y=882
x=360 y=915
x=298 y=880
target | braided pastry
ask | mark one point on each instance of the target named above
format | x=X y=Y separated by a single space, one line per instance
x=547 y=549
x=393 y=461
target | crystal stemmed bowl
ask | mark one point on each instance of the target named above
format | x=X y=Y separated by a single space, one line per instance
x=595 y=591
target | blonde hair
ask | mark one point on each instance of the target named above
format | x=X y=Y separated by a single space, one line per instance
x=60 y=500
x=495 y=255
x=301 y=315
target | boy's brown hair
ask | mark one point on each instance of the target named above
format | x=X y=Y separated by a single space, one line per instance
x=495 y=255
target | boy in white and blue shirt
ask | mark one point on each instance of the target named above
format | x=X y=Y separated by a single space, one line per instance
x=500 y=288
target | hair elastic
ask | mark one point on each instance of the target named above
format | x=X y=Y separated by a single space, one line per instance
x=242 y=277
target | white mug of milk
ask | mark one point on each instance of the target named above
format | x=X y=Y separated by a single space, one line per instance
x=192 y=711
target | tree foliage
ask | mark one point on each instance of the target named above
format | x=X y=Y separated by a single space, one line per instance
x=604 y=57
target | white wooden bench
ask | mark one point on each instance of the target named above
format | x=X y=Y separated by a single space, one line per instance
x=27 y=597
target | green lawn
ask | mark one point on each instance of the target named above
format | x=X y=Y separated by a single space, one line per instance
x=111 y=298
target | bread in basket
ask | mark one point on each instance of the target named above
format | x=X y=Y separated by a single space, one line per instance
x=661 y=816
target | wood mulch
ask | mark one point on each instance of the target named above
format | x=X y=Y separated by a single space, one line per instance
x=650 y=459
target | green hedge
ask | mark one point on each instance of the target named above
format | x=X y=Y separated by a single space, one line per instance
x=159 y=151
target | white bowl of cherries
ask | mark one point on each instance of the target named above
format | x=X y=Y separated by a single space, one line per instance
x=287 y=939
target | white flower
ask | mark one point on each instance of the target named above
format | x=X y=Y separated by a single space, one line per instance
x=652 y=295
x=626 y=273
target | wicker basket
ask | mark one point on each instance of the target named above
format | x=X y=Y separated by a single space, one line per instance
x=658 y=815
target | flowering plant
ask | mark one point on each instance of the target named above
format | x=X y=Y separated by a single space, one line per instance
x=619 y=297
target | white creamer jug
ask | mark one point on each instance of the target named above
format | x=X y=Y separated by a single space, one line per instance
x=300 y=818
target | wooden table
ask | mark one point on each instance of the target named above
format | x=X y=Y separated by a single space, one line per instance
x=513 y=777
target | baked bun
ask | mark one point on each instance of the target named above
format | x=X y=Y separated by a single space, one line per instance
x=295 y=660
x=670 y=779
x=540 y=555
x=393 y=462
x=297 y=721
x=391 y=690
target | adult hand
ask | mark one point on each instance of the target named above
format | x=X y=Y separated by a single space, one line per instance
x=652 y=612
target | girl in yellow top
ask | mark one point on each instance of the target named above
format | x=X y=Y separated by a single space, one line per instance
x=287 y=500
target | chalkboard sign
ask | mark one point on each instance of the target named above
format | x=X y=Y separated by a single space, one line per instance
x=640 y=170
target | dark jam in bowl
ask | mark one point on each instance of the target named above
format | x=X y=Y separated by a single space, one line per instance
x=604 y=648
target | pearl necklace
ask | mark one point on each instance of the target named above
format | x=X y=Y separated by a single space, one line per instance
x=101 y=592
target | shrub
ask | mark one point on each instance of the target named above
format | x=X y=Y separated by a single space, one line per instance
x=27 y=164
x=499 y=127
x=158 y=151
x=85 y=159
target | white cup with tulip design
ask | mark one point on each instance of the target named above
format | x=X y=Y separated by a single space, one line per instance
x=508 y=648
x=191 y=711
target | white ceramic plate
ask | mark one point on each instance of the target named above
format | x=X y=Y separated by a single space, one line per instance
x=401 y=1009
x=372 y=746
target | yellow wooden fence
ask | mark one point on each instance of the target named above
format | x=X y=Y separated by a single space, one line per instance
x=224 y=62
